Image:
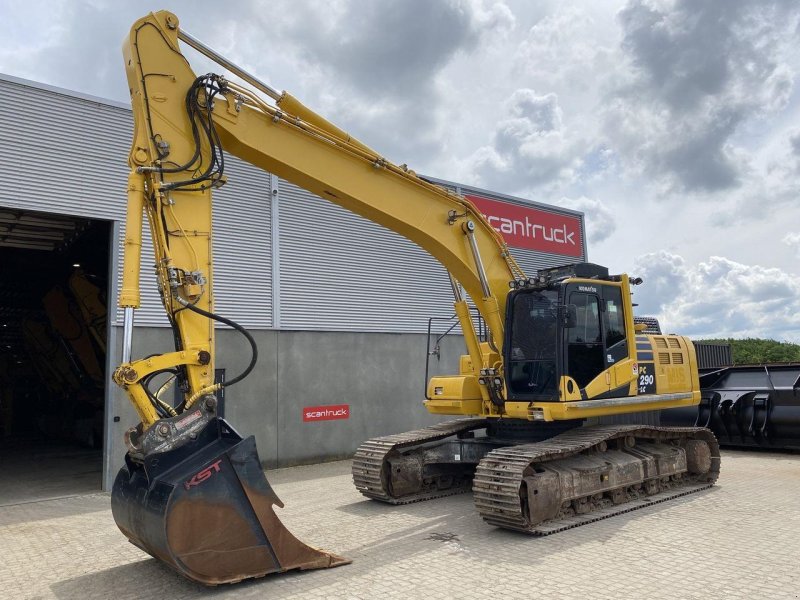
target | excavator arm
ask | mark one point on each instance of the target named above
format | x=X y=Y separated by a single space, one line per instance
x=182 y=122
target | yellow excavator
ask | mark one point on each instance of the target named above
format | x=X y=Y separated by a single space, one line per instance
x=562 y=346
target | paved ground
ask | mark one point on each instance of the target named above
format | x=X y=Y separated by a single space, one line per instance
x=45 y=469
x=738 y=540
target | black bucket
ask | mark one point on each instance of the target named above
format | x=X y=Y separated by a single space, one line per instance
x=206 y=509
x=747 y=406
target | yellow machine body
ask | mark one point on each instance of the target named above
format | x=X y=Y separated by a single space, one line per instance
x=658 y=372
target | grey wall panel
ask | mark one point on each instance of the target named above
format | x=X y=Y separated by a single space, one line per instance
x=242 y=247
x=61 y=154
x=380 y=376
x=342 y=272
x=251 y=405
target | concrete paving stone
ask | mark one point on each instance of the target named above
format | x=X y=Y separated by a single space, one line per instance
x=737 y=540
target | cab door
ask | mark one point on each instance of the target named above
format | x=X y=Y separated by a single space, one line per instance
x=531 y=345
x=584 y=346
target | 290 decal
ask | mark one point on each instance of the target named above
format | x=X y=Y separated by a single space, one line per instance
x=647 y=379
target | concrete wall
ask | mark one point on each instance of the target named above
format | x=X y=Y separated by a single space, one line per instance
x=380 y=375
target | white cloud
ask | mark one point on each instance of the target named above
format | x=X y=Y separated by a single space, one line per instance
x=793 y=241
x=718 y=297
x=569 y=50
x=376 y=66
x=599 y=219
x=768 y=189
x=697 y=72
x=530 y=147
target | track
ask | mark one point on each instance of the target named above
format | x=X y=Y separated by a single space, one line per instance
x=498 y=483
x=369 y=464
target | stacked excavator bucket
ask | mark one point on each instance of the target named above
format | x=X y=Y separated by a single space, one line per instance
x=206 y=509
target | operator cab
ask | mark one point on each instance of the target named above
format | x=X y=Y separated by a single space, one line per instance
x=568 y=321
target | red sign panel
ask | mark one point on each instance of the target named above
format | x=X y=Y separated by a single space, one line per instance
x=533 y=228
x=326 y=413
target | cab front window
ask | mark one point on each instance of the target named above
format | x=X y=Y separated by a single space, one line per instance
x=534 y=344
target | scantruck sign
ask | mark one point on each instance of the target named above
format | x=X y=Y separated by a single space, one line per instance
x=328 y=412
x=533 y=228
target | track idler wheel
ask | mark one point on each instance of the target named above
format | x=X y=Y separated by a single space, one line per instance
x=698 y=457
x=206 y=510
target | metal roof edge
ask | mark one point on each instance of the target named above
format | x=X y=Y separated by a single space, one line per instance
x=62 y=91
x=491 y=193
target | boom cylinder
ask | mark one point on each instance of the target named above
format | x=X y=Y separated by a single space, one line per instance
x=233 y=68
x=491 y=308
x=473 y=245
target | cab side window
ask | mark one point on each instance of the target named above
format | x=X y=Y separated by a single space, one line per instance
x=616 y=344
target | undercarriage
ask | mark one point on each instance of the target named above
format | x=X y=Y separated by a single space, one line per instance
x=539 y=479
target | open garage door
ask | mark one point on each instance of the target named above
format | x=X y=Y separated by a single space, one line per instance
x=53 y=332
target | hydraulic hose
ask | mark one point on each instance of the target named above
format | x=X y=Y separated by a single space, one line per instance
x=237 y=327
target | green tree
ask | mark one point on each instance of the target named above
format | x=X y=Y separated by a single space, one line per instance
x=750 y=351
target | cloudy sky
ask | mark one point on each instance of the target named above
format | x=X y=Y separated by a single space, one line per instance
x=673 y=124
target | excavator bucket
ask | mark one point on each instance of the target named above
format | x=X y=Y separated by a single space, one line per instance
x=206 y=509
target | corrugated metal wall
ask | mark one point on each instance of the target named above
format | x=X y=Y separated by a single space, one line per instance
x=242 y=251
x=62 y=154
x=335 y=271
x=242 y=246
x=67 y=154
x=342 y=272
